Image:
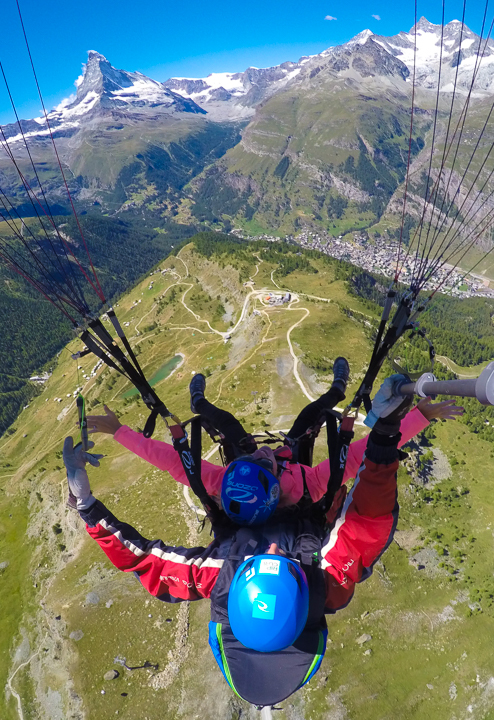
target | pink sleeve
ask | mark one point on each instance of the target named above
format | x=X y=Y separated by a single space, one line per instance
x=317 y=479
x=413 y=423
x=163 y=456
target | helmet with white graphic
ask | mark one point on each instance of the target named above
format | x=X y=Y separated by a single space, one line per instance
x=268 y=602
x=250 y=492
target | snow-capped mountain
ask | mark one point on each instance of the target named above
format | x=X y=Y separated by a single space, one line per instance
x=102 y=90
x=237 y=94
x=242 y=90
x=460 y=51
x=104 y=86
x=154 y=129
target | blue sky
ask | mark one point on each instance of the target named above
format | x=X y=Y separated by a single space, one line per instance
x=190 y=38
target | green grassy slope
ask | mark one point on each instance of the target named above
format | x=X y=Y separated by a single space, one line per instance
x=69 y=615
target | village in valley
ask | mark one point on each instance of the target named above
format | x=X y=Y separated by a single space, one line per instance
x=381 y=257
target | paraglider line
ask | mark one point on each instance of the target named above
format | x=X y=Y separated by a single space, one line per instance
x=35 y=285
x=41 y=268
x=439 y=226
x=445 y=151
x=81 y=296
x=397 y=271
x=26 y=184
x=100 y=291
x=433 y=132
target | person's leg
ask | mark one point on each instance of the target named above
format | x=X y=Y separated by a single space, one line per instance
x=221 y=420
x=312 y=413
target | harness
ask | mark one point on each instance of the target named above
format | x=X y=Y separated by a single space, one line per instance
x=265 y=679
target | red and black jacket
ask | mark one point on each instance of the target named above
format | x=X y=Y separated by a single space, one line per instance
x=334 y=559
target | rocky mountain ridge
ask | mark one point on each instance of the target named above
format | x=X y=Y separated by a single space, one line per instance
x=102 y=90
x=455 y=49
x=235 y=96
x=318 y=142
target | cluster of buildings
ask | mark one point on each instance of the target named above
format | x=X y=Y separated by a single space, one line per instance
x=382 y=257
x=245 y=236
x=273 y=299
x=40 y=378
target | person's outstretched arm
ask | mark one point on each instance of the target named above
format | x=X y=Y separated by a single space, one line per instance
x=412 y=424
x=365 y=525
x=156 y=452
x=367 y=520
x=167 y=572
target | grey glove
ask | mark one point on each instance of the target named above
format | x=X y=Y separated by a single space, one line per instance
x=389 y=407
x=75 y=459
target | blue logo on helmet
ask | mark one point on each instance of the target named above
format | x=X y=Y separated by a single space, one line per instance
x=268 y=587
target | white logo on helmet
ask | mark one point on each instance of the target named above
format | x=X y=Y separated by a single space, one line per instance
x=241 y=495
x=262 y=606
x=241 y=492
x=250 y=573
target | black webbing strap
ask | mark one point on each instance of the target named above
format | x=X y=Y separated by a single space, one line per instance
x=134 y=374
x=384 y=319
x=382 y=346
x=190 y=457
x=338 y=444
x=97 y=350
x=104 y=347
x=114 y=321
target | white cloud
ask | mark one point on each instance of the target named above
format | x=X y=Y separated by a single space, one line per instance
x=66 y=101
x=330 y=17
x=79 y=80
x=376 y=17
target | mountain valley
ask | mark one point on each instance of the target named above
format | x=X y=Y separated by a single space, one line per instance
x=210 y=206
x=71 y=622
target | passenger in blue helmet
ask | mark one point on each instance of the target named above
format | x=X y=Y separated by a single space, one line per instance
x=270 y=585
x=250 y=491
x=266 y=587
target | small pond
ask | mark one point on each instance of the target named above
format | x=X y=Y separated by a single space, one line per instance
x=159 y=375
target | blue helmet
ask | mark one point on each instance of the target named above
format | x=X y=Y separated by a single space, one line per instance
x=250 y=492
x=268 y=602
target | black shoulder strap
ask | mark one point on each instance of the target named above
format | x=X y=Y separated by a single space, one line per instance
x=338 y=444
x=304 y=478
x=191 y=462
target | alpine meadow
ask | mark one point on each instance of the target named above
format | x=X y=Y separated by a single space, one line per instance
x=193 y=273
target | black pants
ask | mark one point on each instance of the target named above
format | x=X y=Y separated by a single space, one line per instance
x=239 y=442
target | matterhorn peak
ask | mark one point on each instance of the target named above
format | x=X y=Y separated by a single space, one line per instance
x=100 y=77
x=103 y=88
x=95 y=56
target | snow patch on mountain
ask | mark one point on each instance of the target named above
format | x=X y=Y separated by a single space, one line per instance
x=459 y=53
x=235 y=95
x=360 y=39
x=103 y=90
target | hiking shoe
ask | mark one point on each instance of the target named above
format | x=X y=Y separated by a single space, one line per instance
x=197 y=387
x=341 y=372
